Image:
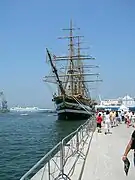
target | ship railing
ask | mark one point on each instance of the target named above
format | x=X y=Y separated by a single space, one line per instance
x=60 y=162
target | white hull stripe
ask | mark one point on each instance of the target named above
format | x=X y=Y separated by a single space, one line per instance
x=74 y=104
x=73 y=111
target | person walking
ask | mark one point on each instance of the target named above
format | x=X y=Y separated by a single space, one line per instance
x=99 y=121
x=114 y=119
x=117 y=121
x=130 y=146
x=128 y=119
x=122 y=115
x=107 y=122
x=133 y=119
x=111 y=118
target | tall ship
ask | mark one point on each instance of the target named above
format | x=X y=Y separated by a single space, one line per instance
x=3 y=104
x=71 y=74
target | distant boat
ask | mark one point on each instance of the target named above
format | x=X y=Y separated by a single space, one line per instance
x=30 y=109
x=24 y=109
x=24 y=114
x=3 y=104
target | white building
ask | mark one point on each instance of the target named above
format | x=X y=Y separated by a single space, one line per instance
x=128 y=101
x=110 y=102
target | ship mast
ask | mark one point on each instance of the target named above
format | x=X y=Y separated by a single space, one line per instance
x=80 y=69
x=56 y=74
x=71 y=56
x=74 y=81
x=74 y=78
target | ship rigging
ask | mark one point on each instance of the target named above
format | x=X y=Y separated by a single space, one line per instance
x=73 y=100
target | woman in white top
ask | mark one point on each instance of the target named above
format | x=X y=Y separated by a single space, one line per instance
x=107 y=122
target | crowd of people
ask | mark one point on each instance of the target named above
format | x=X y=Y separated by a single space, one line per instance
x=109 y=119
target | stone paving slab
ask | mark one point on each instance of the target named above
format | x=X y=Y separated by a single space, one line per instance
x=104 y=160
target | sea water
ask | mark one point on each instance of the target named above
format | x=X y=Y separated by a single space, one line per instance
x=26 y=138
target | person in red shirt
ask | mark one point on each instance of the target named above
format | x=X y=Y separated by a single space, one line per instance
x=99 y=121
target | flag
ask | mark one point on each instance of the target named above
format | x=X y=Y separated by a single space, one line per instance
x=54 y=57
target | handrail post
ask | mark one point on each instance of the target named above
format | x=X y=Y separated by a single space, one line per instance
x=77 y=141
x=49 y=170
x=62 y=159
x=88 y=128
x=82 y=130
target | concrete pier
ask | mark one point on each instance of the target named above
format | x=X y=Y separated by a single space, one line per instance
x=104 y=159
x=99 y=157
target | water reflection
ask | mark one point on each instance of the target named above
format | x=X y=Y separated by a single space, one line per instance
x=63 y=128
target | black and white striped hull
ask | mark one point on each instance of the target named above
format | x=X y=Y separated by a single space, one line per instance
x=73 y=110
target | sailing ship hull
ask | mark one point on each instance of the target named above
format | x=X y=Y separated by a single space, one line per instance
x=4 y=110
x=69 y=109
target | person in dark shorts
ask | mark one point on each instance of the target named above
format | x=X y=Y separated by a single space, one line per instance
x=99 y=121
x=122 y=115
x=130 y=145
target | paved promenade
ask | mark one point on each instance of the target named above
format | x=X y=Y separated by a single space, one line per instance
x=104 y=158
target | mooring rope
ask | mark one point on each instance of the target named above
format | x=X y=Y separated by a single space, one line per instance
x=81 y=105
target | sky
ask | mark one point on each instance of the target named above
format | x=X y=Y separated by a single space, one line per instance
x=27 y=27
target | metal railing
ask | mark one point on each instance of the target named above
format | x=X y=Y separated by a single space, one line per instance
x=59 y=163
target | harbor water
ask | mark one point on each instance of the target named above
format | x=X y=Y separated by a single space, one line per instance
x=25 y=138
